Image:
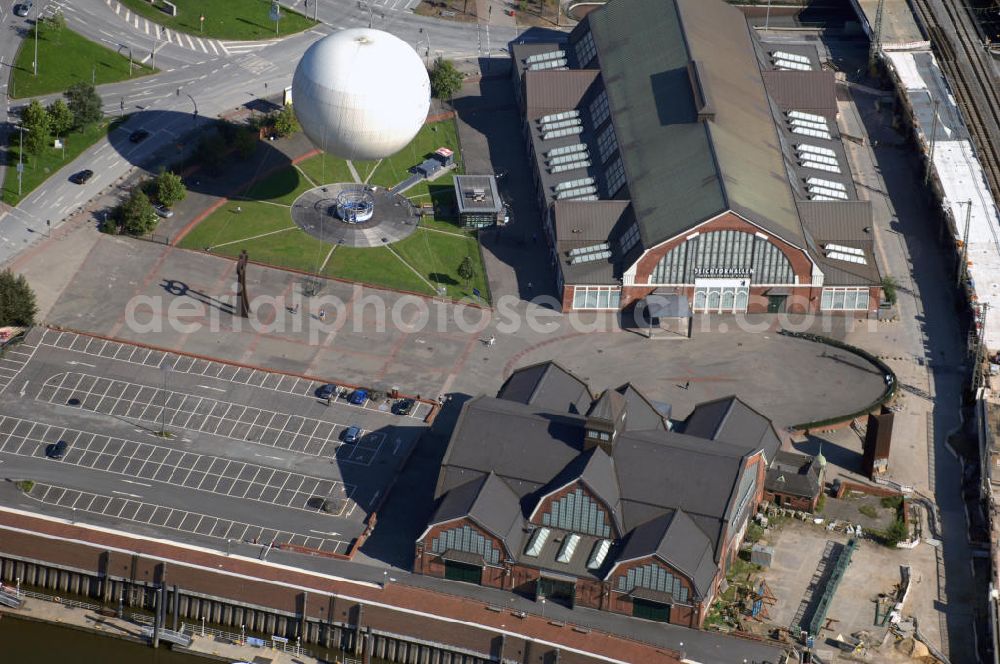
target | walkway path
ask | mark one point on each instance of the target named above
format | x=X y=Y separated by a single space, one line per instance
x=393 y=607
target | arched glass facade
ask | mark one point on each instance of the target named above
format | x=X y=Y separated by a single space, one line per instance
x=578 y=513
x=721 y=254
x=466 y=539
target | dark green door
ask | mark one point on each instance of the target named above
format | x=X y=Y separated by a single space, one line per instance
x=463 y=572
x=651 y=610
x=556 y=590
x=776 y=303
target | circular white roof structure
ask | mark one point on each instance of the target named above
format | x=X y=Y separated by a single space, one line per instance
x=361 y=93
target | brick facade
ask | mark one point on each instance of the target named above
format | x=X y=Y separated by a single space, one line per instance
x=803 y=296
x=430 y=563
x=801 y=503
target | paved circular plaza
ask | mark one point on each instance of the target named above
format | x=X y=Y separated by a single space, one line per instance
x=315 y=212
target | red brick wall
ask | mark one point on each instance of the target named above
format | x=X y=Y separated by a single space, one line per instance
x=802 y=299
x=430 y=563
x=801 y=503
x=681 y=614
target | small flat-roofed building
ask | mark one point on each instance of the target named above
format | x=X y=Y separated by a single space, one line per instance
x=479 y=202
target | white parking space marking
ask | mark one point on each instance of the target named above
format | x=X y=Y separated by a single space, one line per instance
x=169 y=408
x=185 y=364
x=145 y=461
x=14 y=359
x=130 y=507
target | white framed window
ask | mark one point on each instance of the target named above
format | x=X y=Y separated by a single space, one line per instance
x=586 y=49
x=599 y=110
x=607 y=143
x=596 y=297
x=629 y=238
x=615 y=176
x=844 y=299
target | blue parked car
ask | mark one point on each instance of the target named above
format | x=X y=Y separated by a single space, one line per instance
x=359 y=397
x=326 y=391
x=351 y=434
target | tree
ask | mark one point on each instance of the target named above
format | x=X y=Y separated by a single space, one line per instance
x=39 y=126
x=57 y=22
x=889 y=286
x=896 y=533
x=285 y=122
x=445 y=79
x=85 y=104
x=17 y=300
x=60 y=117
x=136 y=213
x=169 y=188
x=245 y=142
x=211 y=151
x=466 y=271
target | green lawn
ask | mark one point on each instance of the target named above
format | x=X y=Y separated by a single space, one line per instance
x=266 y=205
x=437 y=257
x=283 y=187
x=393 y=170
x=37 y=168
x=376 y=266
x=224 y=19
x=324 y=169
x=65 y=58
x=226 y=224
x=441 y=194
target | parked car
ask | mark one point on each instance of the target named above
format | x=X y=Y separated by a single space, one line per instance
x=56 y=450
x=138 y=136
x=404 y=406
x=82 y=177
x=351 y=434
x=163 y=211
x=326 y=391
x=359 y=397
x=23 y=8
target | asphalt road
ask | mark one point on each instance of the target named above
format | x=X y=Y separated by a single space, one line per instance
x=251 y=456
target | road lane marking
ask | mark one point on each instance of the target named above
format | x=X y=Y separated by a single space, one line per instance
x=130 y=495
x=134 y=482
x=208 y=387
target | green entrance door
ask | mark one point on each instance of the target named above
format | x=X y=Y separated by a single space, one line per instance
x=463 y=572
x=556 y=590
x=642 y=608
x=776 y=303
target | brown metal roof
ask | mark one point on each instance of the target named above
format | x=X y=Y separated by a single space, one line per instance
x=551 y=90
x=810 y=91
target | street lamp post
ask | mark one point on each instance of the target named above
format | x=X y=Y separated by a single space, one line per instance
x=166 y=368
x=38 y=16
x=203 y=625
x=126 y=46
x=20 y=158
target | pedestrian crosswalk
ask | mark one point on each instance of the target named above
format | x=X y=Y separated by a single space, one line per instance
x=163 y=35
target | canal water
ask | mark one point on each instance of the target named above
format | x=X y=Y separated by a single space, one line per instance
x=30 y=642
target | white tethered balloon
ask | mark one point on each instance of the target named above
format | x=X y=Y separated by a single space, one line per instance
x=361 y=94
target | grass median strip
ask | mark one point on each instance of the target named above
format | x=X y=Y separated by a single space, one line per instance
x=224 y=19
x=38 y=168
x=65 y=58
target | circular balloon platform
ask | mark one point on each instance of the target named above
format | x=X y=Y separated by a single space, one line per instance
x=376 y=217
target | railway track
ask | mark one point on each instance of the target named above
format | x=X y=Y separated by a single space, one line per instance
x=970 y=79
